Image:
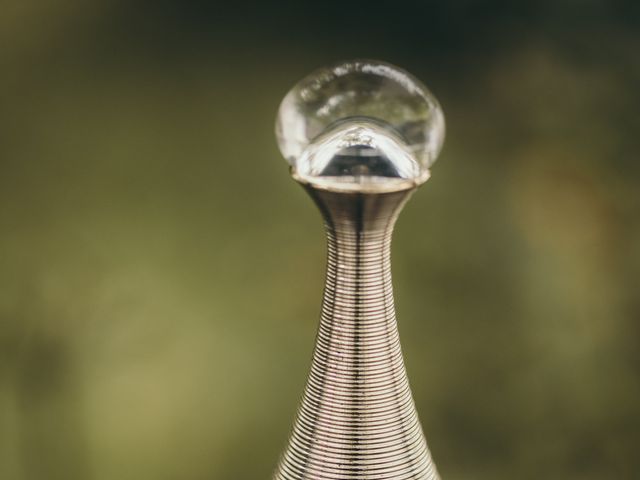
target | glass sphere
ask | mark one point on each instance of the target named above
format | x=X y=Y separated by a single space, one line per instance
x=360 y=122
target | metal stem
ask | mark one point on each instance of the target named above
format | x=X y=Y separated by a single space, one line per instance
x=357 y=419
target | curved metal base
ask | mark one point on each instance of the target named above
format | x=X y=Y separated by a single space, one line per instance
x=357 y=419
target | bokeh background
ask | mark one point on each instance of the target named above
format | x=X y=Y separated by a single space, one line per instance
x=161 y=274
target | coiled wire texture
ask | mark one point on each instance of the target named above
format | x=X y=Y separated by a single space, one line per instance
x=357 y=419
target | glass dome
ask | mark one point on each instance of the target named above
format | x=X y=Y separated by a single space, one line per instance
x=360 y=123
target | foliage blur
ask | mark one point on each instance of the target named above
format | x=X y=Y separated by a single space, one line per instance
x=160 y=273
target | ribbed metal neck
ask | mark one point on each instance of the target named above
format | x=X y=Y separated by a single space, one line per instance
x=357 y=419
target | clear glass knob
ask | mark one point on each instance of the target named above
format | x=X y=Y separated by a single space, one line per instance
x=360 y=123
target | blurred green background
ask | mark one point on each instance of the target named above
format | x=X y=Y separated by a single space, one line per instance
x=161 y=274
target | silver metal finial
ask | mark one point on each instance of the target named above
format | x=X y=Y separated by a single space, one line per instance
x=360 y=137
